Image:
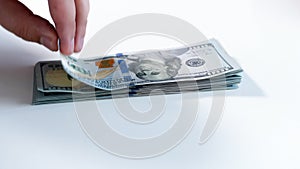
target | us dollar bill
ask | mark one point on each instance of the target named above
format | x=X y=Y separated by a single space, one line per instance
x=200 y=67
x=50 y=77
x=196 y=62
x=53 y=85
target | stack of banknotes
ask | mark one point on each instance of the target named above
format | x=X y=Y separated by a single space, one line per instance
x=199 y=67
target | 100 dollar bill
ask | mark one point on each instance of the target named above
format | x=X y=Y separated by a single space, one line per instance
x=196 y=62
x=53 y=85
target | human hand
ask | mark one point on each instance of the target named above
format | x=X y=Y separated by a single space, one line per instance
x=69 y=16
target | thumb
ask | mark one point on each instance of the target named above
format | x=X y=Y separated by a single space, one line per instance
x=18 y=19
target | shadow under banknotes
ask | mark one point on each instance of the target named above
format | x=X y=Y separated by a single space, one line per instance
x=16 y=85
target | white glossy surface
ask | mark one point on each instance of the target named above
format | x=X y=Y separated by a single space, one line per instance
x=260 y=125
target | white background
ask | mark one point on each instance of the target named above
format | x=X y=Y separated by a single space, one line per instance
x=260 y=126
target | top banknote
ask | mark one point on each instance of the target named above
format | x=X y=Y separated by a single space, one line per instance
x=199 y=61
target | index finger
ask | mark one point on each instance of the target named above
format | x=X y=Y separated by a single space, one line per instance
x=82 y=10
x=64 y=17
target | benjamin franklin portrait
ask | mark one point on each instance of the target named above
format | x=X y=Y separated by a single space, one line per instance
x=157 y=65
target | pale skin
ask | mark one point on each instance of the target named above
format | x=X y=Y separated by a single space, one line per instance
x=69 y=16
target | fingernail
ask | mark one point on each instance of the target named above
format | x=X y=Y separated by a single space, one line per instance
x=71 y=46
x=67 y=47
x=47 y=42
x=79 y=45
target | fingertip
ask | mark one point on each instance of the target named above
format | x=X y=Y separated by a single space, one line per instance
x=50 y=43
x=67 y=46
x=78 y=44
